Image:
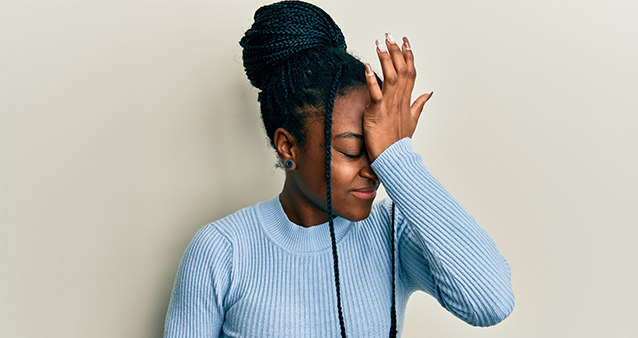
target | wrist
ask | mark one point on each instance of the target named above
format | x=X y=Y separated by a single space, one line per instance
x=379 y=147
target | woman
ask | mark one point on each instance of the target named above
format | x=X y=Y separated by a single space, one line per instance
x=321 y=260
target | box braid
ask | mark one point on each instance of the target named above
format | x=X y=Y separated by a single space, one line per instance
x=328 y=142
x=296 y=55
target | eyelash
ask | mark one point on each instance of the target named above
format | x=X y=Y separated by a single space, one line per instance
x=353 y=156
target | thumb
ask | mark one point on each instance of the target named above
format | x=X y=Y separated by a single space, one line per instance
x=417 y=106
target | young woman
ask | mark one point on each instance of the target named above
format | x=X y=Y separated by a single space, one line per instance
x=320 y=259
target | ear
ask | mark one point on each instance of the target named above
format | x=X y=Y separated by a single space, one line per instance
x=286 y=146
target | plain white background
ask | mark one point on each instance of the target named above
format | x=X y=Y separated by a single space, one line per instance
x=126 y=126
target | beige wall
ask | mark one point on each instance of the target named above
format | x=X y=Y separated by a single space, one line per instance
x=126 y=126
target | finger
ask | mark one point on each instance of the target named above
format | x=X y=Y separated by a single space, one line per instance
x=389 y=75
x=373 y=86
x=400 y=67
x=411 y=77
x=417 y=106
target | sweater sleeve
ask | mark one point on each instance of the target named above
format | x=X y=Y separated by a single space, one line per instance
x=196 y=308
x=441 y=247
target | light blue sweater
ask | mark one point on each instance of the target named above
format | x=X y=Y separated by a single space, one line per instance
x=256 y=274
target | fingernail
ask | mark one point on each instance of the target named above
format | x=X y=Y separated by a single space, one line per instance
x=380 y=45
x=406 y=43
x=369 y=69
x=389 y=37
x=430 y=96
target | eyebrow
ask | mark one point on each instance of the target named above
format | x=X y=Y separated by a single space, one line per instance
x=349 y=135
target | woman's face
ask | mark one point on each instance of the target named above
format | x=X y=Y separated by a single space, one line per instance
x=354 y=184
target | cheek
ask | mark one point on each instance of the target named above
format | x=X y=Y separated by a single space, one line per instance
x=343 y=174
x=313 y=182
x=311 y=178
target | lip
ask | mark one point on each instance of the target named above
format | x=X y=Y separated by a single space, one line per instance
x=366 y=193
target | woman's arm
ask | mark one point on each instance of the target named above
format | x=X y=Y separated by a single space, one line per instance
x=441 y=247
x=197 y=303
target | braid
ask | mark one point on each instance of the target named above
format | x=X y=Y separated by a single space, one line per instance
x=328 y=145
x=393 y=308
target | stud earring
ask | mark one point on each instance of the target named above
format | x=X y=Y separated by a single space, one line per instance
x=289 y=164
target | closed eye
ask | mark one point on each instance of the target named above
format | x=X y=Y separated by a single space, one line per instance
x=352 y=156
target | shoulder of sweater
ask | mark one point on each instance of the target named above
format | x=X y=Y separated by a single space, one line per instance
x=214 y=243
x=231 y=227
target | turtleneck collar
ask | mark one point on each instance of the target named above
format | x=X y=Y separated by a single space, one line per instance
x=294 y=237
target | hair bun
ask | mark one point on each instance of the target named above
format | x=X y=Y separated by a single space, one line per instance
x=283 y=29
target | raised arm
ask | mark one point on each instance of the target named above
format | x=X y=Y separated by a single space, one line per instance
x=442 y=250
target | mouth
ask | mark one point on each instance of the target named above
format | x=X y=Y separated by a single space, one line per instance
x=366 y=193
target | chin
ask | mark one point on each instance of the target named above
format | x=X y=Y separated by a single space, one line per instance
x=357 y=215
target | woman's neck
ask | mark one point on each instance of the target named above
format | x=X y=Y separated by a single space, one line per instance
x=299 y=209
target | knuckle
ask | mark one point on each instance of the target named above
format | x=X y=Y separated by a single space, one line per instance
x=412 y=74
x=403 y=71
x=391 y=80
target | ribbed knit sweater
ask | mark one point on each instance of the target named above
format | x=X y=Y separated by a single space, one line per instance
x=256 y=274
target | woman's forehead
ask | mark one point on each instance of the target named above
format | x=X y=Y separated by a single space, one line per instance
x=347 y=116
x=348 y=111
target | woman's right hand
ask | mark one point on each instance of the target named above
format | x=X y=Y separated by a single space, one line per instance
x=390 y=117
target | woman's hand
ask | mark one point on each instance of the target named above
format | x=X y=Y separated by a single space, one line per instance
x=389 y=117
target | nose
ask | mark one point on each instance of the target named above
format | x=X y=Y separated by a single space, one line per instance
x=367 y=171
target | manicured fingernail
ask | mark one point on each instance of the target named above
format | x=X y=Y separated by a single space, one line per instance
x=406 y=44
x=429 y=96
x=369 y=69
x=380 y=45
x=389 y=37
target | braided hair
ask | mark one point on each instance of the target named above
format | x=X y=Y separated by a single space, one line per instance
x=295 y=54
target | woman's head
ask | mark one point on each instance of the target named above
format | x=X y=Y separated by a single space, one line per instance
x=292 y=53
x=296 y=55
